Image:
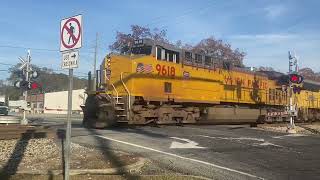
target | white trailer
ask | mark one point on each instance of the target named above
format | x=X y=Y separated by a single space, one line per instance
x=2 y=98
x=17 y=106
x=57 y=102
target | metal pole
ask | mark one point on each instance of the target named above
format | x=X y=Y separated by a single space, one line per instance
x=68 y=133
x=24 y=120
x=291 y=108
x=292 y=61
x=24 y=110
x=95 y=64
x=290 y=91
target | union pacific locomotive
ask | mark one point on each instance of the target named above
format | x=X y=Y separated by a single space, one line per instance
x=159 y=83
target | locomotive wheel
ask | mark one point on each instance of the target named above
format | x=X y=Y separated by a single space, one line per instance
x=105 y=116
x=98 y=112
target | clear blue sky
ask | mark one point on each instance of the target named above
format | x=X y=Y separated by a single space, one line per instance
x=265 y=29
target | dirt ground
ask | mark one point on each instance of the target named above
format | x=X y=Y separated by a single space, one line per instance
x=103 y=177
x=46 y=154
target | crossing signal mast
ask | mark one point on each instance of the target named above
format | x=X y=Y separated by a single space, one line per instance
x=295 y=81
x=26 y=82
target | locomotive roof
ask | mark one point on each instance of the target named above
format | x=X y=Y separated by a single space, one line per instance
x=150 y=42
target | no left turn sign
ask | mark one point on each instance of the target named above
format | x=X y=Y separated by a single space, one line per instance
x=71 y=33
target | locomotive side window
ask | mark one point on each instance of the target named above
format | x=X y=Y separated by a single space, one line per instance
x=270 y=95
x=208 y=61
x=176 y=57
x=167 y=55
x=167 y=87
x=172 y=56
x=163 y=54
x=226 y=65
x=198 y=59
x=158 y=52
x=146 y=50
x=188 y=57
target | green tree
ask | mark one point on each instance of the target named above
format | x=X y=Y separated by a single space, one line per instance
x=48 y=80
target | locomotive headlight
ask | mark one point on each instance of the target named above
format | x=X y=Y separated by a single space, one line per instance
x=108 y=62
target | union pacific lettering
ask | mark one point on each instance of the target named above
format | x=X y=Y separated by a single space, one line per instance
x=228 y=80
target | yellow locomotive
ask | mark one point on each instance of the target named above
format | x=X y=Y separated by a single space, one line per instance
x=159 y=83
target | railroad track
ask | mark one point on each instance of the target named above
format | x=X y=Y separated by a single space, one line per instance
x=314 y=131
x=26 y=131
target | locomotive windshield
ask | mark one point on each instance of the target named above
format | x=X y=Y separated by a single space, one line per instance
x=141 y=47
x=146 y=50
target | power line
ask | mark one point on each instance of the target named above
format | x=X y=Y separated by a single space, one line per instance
x=38 y=49
x=22 y=47
x=5 y=64
x=40 y=67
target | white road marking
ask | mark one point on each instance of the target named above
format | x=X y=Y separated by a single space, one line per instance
x=261 y=141
x=290 y=135
x=189 y=145
x=270 y=144
x=233 y=138
x=181 y=157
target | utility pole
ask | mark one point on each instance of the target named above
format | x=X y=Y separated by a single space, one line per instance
x=95 y=64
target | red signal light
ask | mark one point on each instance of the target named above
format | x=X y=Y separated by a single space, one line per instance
x=34 y=85
x=295 y=78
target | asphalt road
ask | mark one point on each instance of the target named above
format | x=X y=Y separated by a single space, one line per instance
x=215 y=152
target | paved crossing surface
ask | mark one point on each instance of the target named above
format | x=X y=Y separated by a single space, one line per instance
x=215 y=152
x=222 y=152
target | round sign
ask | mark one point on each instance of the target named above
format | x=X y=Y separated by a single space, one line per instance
x=70 y=33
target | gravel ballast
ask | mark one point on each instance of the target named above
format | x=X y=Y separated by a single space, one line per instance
x=300 y=128
x=46 y=154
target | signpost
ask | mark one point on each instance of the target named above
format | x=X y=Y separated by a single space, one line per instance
x=70 y=39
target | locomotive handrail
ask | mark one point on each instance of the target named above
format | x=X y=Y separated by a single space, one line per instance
x=128 y=92
x=114 y=90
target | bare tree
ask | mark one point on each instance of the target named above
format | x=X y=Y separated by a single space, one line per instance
x=265 y=68
x=124 y=41
x=209 y=46
x=221 y=50
x=310 y=74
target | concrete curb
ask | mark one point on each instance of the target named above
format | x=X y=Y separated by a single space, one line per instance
x=129 y=168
